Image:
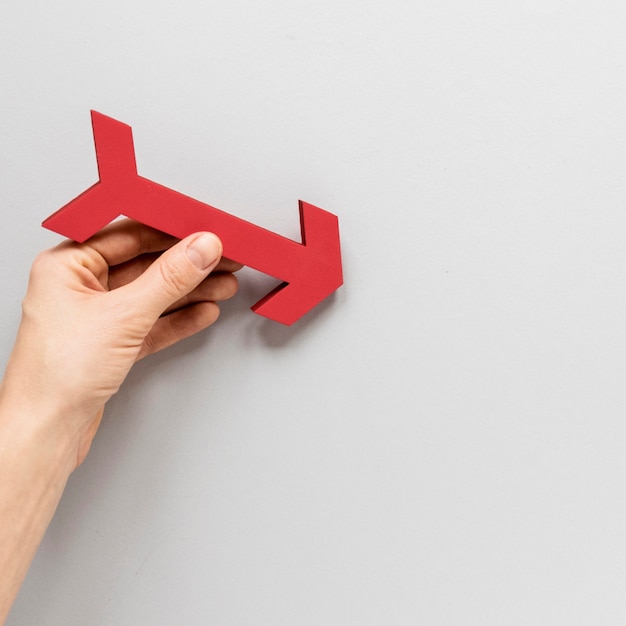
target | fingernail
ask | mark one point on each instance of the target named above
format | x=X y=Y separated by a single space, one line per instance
x=204 y=250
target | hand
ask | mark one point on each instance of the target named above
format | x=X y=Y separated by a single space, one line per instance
x=94 y=309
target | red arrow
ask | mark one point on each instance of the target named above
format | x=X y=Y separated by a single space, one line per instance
x=311 y=270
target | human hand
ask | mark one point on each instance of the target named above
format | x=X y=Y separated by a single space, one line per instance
x=93 y=309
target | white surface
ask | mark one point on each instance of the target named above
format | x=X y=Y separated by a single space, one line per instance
x=441 y=443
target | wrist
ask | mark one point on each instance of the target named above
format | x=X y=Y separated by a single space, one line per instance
x=39 y=434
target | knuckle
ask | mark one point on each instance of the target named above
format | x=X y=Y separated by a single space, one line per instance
x=148 y=344
x=174 y=278
x=175 y=328
x=233 y=284
x=228 y=286
x=40 y=263
x=38 y=278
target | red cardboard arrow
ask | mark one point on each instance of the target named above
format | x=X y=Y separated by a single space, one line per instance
x=310 y=270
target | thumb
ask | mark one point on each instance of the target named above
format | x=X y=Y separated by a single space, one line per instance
x=177 y=271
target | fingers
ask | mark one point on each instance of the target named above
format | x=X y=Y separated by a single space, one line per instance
x=226 y=265
x=174 y=274
x=214 y=288
x=179 y=325
x=126 y=239
x=219 y=285
x=128 y=248
x=120 y=275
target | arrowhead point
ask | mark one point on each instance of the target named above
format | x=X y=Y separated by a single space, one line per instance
x=318 y=274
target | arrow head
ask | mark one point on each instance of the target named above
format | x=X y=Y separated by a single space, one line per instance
x=317 y=271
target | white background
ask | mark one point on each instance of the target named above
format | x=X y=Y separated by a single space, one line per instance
x=444 y=440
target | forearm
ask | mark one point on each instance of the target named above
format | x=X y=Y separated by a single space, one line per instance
x=90 y=312
x=35 y=463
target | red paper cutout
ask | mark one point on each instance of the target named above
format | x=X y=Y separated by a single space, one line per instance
x=311 y=270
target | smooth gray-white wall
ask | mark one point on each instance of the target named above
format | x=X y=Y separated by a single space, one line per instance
x=443 y=441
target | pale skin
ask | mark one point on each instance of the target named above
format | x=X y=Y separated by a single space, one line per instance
x=90 y=312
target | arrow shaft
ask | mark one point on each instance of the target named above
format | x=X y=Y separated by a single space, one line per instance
x=252 y=245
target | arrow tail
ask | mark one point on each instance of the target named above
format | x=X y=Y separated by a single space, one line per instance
x=101 y=203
